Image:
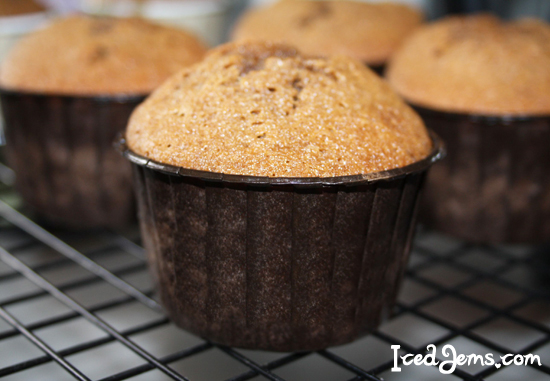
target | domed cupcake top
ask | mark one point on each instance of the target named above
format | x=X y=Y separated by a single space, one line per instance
x=368 y=32
x=476 y=64
x=264 y=109
x=82 y=55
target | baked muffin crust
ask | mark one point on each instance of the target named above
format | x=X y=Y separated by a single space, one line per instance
x=476 y=64
x=264 y=109
x=82 y=55
x=367 y=32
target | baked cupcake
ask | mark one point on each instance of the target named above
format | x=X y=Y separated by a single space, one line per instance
x=277 y=195
x=484 y=86
x=63 y=113
x=365 y=31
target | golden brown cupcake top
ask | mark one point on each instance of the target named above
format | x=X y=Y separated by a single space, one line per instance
x=367 y=32
x=19 y=7
x=82 y=55
x=476 y=64
x=264 y=109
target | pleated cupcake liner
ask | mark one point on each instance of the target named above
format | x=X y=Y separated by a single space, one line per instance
x=494 y=186
x=279 y=264
x=61 y=149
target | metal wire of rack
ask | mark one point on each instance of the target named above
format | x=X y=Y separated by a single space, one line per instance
x=70 y=303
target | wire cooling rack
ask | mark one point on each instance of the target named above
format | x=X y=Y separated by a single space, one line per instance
x=81 y=306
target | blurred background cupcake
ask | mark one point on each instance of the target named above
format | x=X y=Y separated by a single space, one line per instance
x=484 y=86
x=64 y=110
x=365 y=31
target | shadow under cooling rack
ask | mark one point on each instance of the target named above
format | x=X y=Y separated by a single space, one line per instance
x=80 y=306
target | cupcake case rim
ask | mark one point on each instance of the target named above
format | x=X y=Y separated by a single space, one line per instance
x=437 y=153
x=99 y=98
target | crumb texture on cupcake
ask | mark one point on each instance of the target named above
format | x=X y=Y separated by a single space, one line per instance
x=368 y=32
x=264 y=109
x=82 y=55
x=476 y=64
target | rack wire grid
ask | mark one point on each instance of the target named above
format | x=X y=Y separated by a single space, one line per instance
x=80 y=306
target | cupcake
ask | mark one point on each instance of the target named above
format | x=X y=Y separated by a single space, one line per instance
x=365 y=31
x=277 y=195
x=484 y=86
x=63 y=112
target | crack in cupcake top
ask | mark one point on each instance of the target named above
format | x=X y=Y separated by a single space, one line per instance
x=264 y=109
x=476 y=64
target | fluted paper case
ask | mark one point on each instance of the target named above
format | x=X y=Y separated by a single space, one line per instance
x=281 y=264
x=494 y=185
x=61 y=149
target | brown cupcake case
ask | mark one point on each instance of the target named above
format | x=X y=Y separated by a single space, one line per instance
x=494 y=185
x=280 y=264
x=60 y=148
